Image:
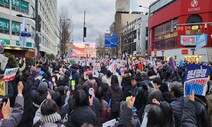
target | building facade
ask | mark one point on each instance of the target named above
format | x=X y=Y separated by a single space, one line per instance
x=122 y=5
x=121 y=20
x=10 y=26
x=176 y=27
x=134 y=37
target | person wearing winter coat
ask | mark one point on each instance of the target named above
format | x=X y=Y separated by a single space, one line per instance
x=177 y=103
x=82 y=113
x=116 y=96
x=46 y=115
x=189 y=112
x=126 y=83
x=91 y=82
x=12 y=119
x=105 y=112
x=126 y=115
x=40 y=94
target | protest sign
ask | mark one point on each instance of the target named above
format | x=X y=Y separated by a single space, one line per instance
x=110 y=123
x=3 y=88
x=10 y=74
x=87 y=73
x=3 y=62
x=196 y=78
x=107 y=61
x=112 y=67
x=96 y=67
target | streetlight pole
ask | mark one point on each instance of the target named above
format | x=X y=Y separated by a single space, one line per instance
x=37 y=53
x=84 y=28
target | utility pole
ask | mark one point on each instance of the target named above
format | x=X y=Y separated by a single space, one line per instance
x=84 y=28
x=36 y=32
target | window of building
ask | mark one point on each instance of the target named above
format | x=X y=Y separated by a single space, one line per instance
x=166 y=44
x=20 y=6
x=16 y=28
x=4 y=26
x=5 y=3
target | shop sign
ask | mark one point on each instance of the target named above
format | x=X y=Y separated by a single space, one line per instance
x=18 y=43
x=4 y=1
x=16 y=3
x=184 y=52
x=197 y=31
x=191 y=40
x=5 y=41
x=25 y=5
x=194 y=6
x=15 y=26
x=4 y=24
x=21 y=4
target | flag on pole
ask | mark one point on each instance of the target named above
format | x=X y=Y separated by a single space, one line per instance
x=23 y=29
x=201 y=42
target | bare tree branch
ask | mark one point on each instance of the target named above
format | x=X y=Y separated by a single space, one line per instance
x=65 y=29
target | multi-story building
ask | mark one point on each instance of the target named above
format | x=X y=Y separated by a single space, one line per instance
x=176 y=27
x=122 y=5
x=134 y=37
x=10 y=26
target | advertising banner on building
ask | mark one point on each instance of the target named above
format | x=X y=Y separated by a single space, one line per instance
x=4 y=24
x=202 y=42
x=191 y=40
x=196 y=78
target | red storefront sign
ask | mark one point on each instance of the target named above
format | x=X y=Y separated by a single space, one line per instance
x=184 y=52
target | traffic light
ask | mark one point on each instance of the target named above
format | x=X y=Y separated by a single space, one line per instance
x=84 y=32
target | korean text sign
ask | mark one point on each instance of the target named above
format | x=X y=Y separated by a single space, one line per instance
x=196 y=76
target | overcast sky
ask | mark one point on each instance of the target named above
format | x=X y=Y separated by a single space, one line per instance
x=99 y=15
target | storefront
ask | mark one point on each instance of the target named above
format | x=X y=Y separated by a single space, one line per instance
x=176 y=28
x=17 y=49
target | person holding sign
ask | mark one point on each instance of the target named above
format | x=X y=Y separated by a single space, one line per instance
x=12 y=119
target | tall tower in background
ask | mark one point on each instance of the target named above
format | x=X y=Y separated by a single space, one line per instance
x=122 y=5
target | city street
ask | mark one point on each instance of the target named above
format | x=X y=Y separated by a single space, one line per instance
x=106 y=63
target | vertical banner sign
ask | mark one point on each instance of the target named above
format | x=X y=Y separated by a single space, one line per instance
x=3 y=88
x=196 y=78
x=10 y=74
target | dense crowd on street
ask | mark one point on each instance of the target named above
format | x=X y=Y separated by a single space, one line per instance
x=58 y=93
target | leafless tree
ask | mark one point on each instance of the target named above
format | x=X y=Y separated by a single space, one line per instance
x=65 y=29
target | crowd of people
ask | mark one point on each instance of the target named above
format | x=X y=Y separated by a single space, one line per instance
x=58 y=94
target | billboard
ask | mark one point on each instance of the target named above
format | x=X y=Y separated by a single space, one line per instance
x=83 y=49
x=191 y=40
